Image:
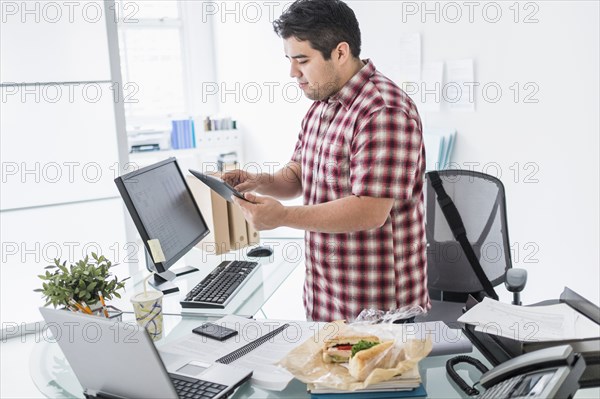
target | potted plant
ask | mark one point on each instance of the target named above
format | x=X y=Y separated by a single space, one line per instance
x=81 y=282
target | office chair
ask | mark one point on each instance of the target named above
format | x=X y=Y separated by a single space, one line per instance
x=481 y=221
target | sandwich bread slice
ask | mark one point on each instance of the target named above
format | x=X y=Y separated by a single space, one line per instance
x=365 y=361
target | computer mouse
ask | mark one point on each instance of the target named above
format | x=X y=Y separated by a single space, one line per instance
x=260 y=252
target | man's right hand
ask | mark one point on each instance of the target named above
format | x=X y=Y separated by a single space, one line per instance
x=242 y=181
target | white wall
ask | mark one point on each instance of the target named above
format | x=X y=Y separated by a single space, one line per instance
x=554 y=221
x=62 y=140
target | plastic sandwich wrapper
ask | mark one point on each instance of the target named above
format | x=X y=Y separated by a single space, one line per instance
x=305 y=362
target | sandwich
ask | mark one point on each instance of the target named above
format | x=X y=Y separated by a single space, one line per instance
x=339 y=349
x=363 y=362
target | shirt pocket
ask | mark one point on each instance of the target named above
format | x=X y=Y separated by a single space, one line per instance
x=333 y=172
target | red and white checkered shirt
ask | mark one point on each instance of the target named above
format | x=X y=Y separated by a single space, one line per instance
x=365 y=140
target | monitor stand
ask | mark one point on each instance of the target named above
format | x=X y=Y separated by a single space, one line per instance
x=164 y=281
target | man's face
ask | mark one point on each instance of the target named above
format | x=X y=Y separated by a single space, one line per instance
x=318 y=78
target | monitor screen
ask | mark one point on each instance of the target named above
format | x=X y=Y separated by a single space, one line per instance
x=163 y=208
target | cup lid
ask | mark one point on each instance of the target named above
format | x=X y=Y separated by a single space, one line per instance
x=149 y=296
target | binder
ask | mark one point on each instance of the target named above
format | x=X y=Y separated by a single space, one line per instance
x=238 y=235
x=409 y=393
x=214 y=210
x=253 y=235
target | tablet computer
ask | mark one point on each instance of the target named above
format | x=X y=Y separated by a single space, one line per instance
x=218 y=185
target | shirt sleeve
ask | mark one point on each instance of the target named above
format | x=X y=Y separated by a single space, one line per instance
x=387 y=155
x=297 y=154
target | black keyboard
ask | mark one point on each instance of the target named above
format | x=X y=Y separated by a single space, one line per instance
x=218 y=288
x=191 y=388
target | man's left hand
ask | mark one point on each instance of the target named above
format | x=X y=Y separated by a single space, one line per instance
x=263 y=213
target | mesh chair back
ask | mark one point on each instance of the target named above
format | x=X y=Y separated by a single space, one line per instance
x=480 y=201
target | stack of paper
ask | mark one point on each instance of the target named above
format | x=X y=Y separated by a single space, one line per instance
x=406 y=385
x=439 y=143
x=530 y=323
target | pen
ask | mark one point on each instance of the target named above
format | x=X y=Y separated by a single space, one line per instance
x=103 y=304
x=78 y=306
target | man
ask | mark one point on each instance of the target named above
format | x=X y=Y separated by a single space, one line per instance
x=358 y=163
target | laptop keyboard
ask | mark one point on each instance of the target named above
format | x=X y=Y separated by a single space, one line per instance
x=191 y=388
x=219 y=287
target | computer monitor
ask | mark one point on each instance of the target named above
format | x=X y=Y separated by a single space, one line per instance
x=162 y=208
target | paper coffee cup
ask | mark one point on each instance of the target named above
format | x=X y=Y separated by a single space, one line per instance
x=148 y=312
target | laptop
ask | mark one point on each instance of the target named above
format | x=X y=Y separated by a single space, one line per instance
x=113 y=359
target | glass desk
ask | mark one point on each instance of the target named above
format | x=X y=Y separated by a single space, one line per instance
x=54 y=378
x=288 y=254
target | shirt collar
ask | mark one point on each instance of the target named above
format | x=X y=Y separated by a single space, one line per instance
x=350 y=90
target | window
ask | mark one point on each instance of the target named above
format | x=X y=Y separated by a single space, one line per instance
x=152 y=60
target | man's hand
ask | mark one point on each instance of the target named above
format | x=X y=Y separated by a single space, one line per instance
x=264 y=213
x=241 y=180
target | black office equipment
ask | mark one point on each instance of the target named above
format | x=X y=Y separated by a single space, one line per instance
x=546 y=374
x=215 y=331
x=218 y=185
x=170 y=224
x=244 y=350
x=468 y=250
x=218 y=288
x=498 y=349
x=260 y=252
x=164 y=211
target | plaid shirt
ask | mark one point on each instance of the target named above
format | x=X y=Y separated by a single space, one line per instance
x=365 y=141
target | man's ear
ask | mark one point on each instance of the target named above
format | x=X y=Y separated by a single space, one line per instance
x=341 y=53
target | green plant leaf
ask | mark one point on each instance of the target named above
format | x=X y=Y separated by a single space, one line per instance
x=80 y=280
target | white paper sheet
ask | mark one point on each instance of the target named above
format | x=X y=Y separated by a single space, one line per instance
x=459 y=90
x=408 y=65
x=261 y=360
x=430 y=89
x=529 y=323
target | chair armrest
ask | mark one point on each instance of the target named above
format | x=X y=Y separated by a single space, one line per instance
x=515 y=279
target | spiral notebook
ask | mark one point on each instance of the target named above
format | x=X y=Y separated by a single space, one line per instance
x=258 y=346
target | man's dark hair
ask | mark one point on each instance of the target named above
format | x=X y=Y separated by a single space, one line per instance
x=324 y=23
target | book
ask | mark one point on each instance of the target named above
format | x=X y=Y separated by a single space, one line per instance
x=258 y=346
x=366 y=394
x=401 y=385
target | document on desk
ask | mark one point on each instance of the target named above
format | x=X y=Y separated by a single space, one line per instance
x=260 y=359
x=530 y=323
